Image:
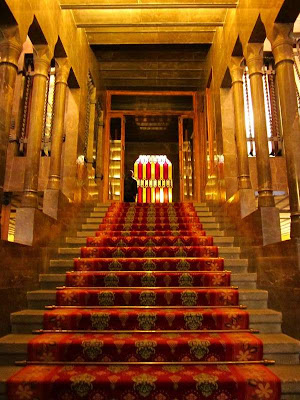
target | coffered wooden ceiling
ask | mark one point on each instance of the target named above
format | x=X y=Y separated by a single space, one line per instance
x=157 y=44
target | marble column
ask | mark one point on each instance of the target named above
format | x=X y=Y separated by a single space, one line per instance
x=10 y=50
x=245 y=197
x=30 y=221
x=42 y=59
x=236 y=72
x=267 y=216
x=90 y=143
x=53 y=198
x=61 y=79
x=254 y=59
x=282 y=47
x=99 y=160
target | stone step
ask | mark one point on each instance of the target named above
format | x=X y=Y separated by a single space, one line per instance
x=252 y=298
x=288 y=374
x=100 y=208
x=278 y=347
x=265 y=320
x=62 y=265
x=245 y=281
x=202 y=208
x=224 y=252
x=97 y=214
x=218 y=241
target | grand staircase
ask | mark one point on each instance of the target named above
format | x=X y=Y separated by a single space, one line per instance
x=158 y=305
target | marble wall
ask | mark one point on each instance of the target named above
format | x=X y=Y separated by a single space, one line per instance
x=19 y=273
x=278 y=271
x=15 y=170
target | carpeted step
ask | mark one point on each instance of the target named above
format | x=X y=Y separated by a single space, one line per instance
x=217 y=241
x=145 y=206
x=147 y=297
x=153 y=210
x=178 y=318
x=139 y=346
x=288 y=374
x=150 y=264
x=264 y=320
x=147 y=279
x=81 y=241
x=152 y=220
x=252 y=298
x=151 y=382
x=143 y=241
x=155 y=214
x=149 y=227
x=86 y=233
x=134 y=278
x=202 y=207
x=144 y=251
x=225 y=252
x=208 y=226
x=62 y=265
x=150 y=233
x=279 y=347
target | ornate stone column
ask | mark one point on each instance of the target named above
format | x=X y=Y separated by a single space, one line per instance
x=29 y=219
x=42 y=59
x=236 y=72
x=267 y=216
x=61 y=79
x=90 y=141
x=53 y=198
x=10 y=50
x=99 y=160
x=282 y=46
x=244 y=199
x=254 y=59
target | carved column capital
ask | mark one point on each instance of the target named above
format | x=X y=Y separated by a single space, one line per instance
x=62 y=70
x=282 y=42
x=236 y=69
x=10 y=51
x=254 y=58
x=100 y=116
x=42 y=57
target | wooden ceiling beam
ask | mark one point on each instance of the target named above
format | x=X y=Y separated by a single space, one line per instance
x=153 y=83
x=76 y=5
x=187 y=26
x=151 y=74
x=171 y=37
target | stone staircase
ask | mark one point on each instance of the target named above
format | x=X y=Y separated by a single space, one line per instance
x=277 y=346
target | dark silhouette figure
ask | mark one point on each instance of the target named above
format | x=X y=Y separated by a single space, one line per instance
x=130 y=188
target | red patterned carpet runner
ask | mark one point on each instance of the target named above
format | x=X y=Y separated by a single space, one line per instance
x=148 y=313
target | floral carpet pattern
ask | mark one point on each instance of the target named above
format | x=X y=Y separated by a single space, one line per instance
x=149 y=300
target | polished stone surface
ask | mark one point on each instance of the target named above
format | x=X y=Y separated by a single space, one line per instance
x=54 y=201
x=278 y=269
